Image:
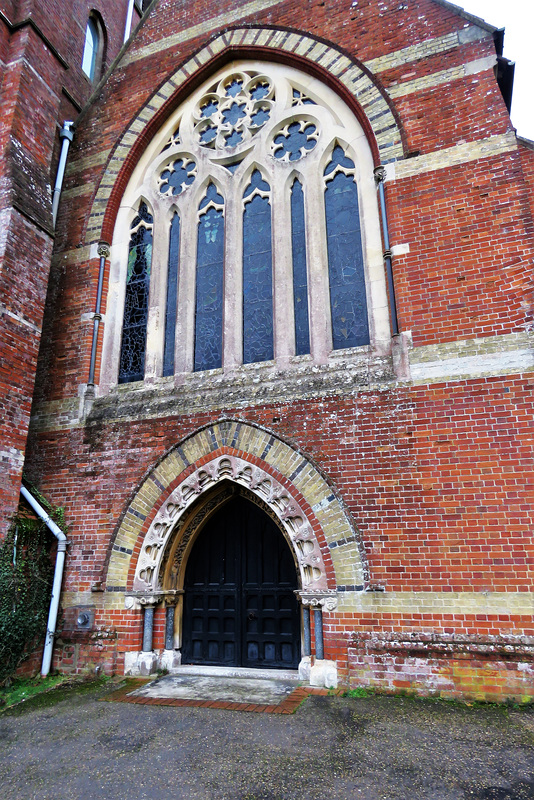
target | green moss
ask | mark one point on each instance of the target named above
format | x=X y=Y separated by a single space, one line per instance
x=31 y=694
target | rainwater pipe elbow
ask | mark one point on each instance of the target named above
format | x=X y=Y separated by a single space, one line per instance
x=66 y=135
x=58 y=577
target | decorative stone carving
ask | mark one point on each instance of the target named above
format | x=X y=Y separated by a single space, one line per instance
x=103 y=250
x=273 y=495
x=327 y=601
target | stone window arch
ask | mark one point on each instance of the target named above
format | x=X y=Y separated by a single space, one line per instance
x=266 y=236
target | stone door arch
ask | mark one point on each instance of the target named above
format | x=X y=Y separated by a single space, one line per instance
x=158 y=527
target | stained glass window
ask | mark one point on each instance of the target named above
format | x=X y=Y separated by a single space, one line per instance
x=300 y=271
x=345 y=258
x=209 y=282
x=263 y=240
x=172 y=290
x=257 y=273
x=132 y=358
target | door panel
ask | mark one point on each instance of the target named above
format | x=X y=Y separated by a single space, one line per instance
x=239 y=602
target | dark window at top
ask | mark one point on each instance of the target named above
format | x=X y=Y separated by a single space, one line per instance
x=132 y=358
x=257 y=273
x=209 y=282
x=345 y=257
x=300 y=271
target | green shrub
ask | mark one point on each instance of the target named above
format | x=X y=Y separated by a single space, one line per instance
x=26 y=573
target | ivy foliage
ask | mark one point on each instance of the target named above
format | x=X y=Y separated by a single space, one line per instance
x=26 y=575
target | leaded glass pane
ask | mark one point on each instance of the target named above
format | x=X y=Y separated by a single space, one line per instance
x=132 y=359
x=257 y=274
x=209 y=283
x=345 y=258
x=300 y=272
x=172 y=290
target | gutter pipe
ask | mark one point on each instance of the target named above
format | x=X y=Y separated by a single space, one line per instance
x=129 y=15
x=58 y=577
x=380 y=176
x=103 y=252
x=66 y=135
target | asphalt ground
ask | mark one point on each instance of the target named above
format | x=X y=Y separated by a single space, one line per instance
x=72 y=746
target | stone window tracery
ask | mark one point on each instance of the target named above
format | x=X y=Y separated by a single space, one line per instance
x=264 y=234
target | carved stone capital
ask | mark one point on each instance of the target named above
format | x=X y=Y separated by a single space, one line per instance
x=172 y=596
x=325 y=600
x=143 y=599
x=103 y=250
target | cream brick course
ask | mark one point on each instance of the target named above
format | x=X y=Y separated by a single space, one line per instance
x=341 y=66
x=291 y=42
x=454 y=156
x=213 y=24
x=414 y=52
x=88 y=162
x=513 y=603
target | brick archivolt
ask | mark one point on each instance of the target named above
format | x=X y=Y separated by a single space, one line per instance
x=323 y=540
x=354 y=78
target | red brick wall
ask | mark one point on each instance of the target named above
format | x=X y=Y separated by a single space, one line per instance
x=435 y=476
x=41 y=84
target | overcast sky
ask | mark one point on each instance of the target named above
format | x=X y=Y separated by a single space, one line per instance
x=517 y=17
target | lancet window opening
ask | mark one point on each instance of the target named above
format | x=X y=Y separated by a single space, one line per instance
x=261 y=242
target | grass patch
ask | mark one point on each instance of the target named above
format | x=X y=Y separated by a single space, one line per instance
x=22 y=689
x=359 y=691
x=31 y=693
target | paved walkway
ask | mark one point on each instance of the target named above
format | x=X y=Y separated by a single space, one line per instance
x=331 y=748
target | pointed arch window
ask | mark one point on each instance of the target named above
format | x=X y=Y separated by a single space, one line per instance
x=134 y=329
x=93 y=49
x=266 y=235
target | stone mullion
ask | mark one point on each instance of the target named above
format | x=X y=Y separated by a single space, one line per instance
x=233 y=282
x=283 y=311
x=184 y=346
x=318 y=282
x=157 y=304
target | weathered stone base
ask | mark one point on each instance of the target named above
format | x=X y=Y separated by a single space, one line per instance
x=304 y=668
x=141 y=663
x=170 y=659
x=324 y=673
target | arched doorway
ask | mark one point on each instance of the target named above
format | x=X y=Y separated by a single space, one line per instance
x=239 y=603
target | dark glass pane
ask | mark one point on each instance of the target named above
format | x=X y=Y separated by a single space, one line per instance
x=296 y=142
x=132 y=358
x=177 y=176
x=172 y=289
x=209 y=286
x=257 y=276
x=232 y=115
x=345 y=259
x=300 y=273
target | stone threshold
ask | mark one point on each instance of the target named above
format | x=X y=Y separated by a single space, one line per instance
x=287 y=706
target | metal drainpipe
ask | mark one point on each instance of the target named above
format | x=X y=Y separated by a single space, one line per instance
x=103 y=252
x=66 y=135
x=380 y=176
x=58 y=577
x=129 y=16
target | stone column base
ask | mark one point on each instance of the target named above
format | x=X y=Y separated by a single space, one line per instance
x=140 y=663
x=323 y=673
x=170 y=659
x=304 y=668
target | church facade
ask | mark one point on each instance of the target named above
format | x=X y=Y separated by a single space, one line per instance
x=276 y=338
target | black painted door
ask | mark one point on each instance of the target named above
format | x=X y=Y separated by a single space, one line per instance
x=239 y=602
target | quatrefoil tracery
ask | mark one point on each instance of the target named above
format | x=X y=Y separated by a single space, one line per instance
x=234 y=110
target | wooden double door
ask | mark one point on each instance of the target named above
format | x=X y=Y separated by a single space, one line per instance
x=239 y=603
